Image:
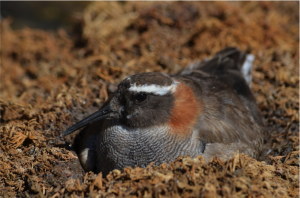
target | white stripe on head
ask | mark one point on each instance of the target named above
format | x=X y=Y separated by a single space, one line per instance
x=155 y=89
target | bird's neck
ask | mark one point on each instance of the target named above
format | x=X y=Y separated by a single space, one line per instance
x=185 y=112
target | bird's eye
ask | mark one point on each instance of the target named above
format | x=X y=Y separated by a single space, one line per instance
x=140 y=97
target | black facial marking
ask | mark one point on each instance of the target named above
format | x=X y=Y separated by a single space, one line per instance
x=149 y=110
x=140 y=97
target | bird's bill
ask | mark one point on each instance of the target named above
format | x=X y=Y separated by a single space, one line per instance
x=103 y=113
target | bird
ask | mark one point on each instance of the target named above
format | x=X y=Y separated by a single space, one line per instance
x=206 y=109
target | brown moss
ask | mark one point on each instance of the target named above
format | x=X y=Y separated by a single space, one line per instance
x=50 y=80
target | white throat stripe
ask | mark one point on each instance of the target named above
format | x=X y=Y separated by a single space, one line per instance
x=155 y=89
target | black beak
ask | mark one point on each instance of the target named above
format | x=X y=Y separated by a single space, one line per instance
x=103 y=113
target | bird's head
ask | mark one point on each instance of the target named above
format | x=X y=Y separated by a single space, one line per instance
x=148 y=99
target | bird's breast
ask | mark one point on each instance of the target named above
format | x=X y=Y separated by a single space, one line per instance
x=119 y=146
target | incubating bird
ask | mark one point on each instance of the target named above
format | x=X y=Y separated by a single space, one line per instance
x=207 y=109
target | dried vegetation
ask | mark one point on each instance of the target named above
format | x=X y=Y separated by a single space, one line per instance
x=50 y=80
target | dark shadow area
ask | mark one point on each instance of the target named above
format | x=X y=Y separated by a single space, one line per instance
x=44 y=15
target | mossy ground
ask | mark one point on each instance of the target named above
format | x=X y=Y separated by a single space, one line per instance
x=50 y=80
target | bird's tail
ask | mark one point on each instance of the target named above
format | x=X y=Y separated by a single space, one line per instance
x=225 y=61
